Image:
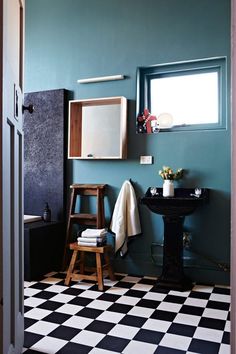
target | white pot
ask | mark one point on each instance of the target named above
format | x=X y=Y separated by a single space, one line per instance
x=168 y=188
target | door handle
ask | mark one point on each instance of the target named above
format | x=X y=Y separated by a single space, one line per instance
x=29 y=108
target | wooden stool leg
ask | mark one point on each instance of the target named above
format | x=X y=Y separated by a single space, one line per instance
x=81 y=262
x=69 y=227
x=109 y=267
x=100 y=210
x=99 y=271
x=71 y=268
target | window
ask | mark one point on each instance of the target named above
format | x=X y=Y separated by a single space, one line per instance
x=192 y=93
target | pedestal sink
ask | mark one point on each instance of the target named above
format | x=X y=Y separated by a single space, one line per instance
x=173 y=211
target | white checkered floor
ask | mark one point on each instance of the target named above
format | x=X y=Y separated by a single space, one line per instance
x=129 y=317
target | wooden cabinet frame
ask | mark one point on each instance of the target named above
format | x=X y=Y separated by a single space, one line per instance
x=77 y=135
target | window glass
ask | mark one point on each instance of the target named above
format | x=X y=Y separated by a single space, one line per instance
x=190 y=99
x=191 y=95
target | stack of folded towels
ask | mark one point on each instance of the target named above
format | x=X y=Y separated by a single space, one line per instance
x=92 y=237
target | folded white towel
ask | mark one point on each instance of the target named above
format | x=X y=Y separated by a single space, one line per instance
x=91 y=239
x=93 y=232
x=90 y=244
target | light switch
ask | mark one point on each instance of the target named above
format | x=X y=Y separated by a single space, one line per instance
x=146 y=160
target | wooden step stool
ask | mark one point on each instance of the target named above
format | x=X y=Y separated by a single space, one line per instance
x=98 y=277
x=97 y=220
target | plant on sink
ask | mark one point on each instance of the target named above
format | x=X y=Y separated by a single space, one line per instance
x=169 y=176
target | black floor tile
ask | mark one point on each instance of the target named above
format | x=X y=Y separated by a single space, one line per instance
x=113 y=343
x=164 y=315
x=100 y=326
x=212 y=323
x=145 y=335
x=64 y=332
x=203 y=347
x=74 y=348
x=89 y=312
x=182 y=330
x=31 y=338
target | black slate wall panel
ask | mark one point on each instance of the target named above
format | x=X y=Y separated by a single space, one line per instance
x=45 y=152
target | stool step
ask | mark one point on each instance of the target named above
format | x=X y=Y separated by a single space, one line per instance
x=81 y=217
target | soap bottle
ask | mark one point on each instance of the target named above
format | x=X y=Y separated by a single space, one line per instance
x=47 y=213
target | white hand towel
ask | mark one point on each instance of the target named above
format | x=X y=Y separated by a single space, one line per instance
x=125 y=219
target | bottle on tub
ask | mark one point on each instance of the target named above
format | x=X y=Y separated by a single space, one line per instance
x=47 y=213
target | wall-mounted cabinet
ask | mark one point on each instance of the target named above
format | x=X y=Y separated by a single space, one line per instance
x=98 y=128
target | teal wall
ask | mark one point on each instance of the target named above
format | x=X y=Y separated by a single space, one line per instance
x=68 y=40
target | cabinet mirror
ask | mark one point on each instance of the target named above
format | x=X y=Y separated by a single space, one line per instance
x=97 y=128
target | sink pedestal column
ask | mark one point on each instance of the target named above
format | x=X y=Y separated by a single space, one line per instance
x=172 y=276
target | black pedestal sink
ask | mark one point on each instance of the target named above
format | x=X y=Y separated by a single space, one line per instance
x=173 y=211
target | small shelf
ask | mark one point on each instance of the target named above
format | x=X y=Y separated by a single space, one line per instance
x=98 y=128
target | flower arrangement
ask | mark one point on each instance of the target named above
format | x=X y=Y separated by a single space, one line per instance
x=168 y=173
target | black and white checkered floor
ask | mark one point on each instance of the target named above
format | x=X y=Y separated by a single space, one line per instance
x=129 y=317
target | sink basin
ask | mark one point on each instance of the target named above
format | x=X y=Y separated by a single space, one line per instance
x=183 y=203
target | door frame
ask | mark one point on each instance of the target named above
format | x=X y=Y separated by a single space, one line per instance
x=233 y=179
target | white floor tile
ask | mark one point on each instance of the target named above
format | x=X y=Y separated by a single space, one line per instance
x=190 y=320
x=139 y=347
x=190 y=301
x=224 y=349
x=69 y=309
x=51 y=280
x=154 y=296
x=49 y=345
x=227 y=326
x=82 y=285
x=209 y=334
x=109 y=282
x=64 y=298
x=90 y=294
x=123 y=331
x=142 y=287
x=88 y=338
x=169 y=306
x=100 y=304
x=141 y=311
x=179 y=293
x=109 y=316
x=29 y=283
x=42 y=327
x=33 y=301
x=128 y=300
x=156 y=325
x=203 y=288
x=78 y=322
x=117 y=290
x=214 y=313
x=37 y=314
x=131 y=279
x=101 y=351
x=220 y=297
x=175 y=341
x=57 y=288
x=31 y=291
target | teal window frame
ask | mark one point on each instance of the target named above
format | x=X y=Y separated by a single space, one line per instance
x=148 y=73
